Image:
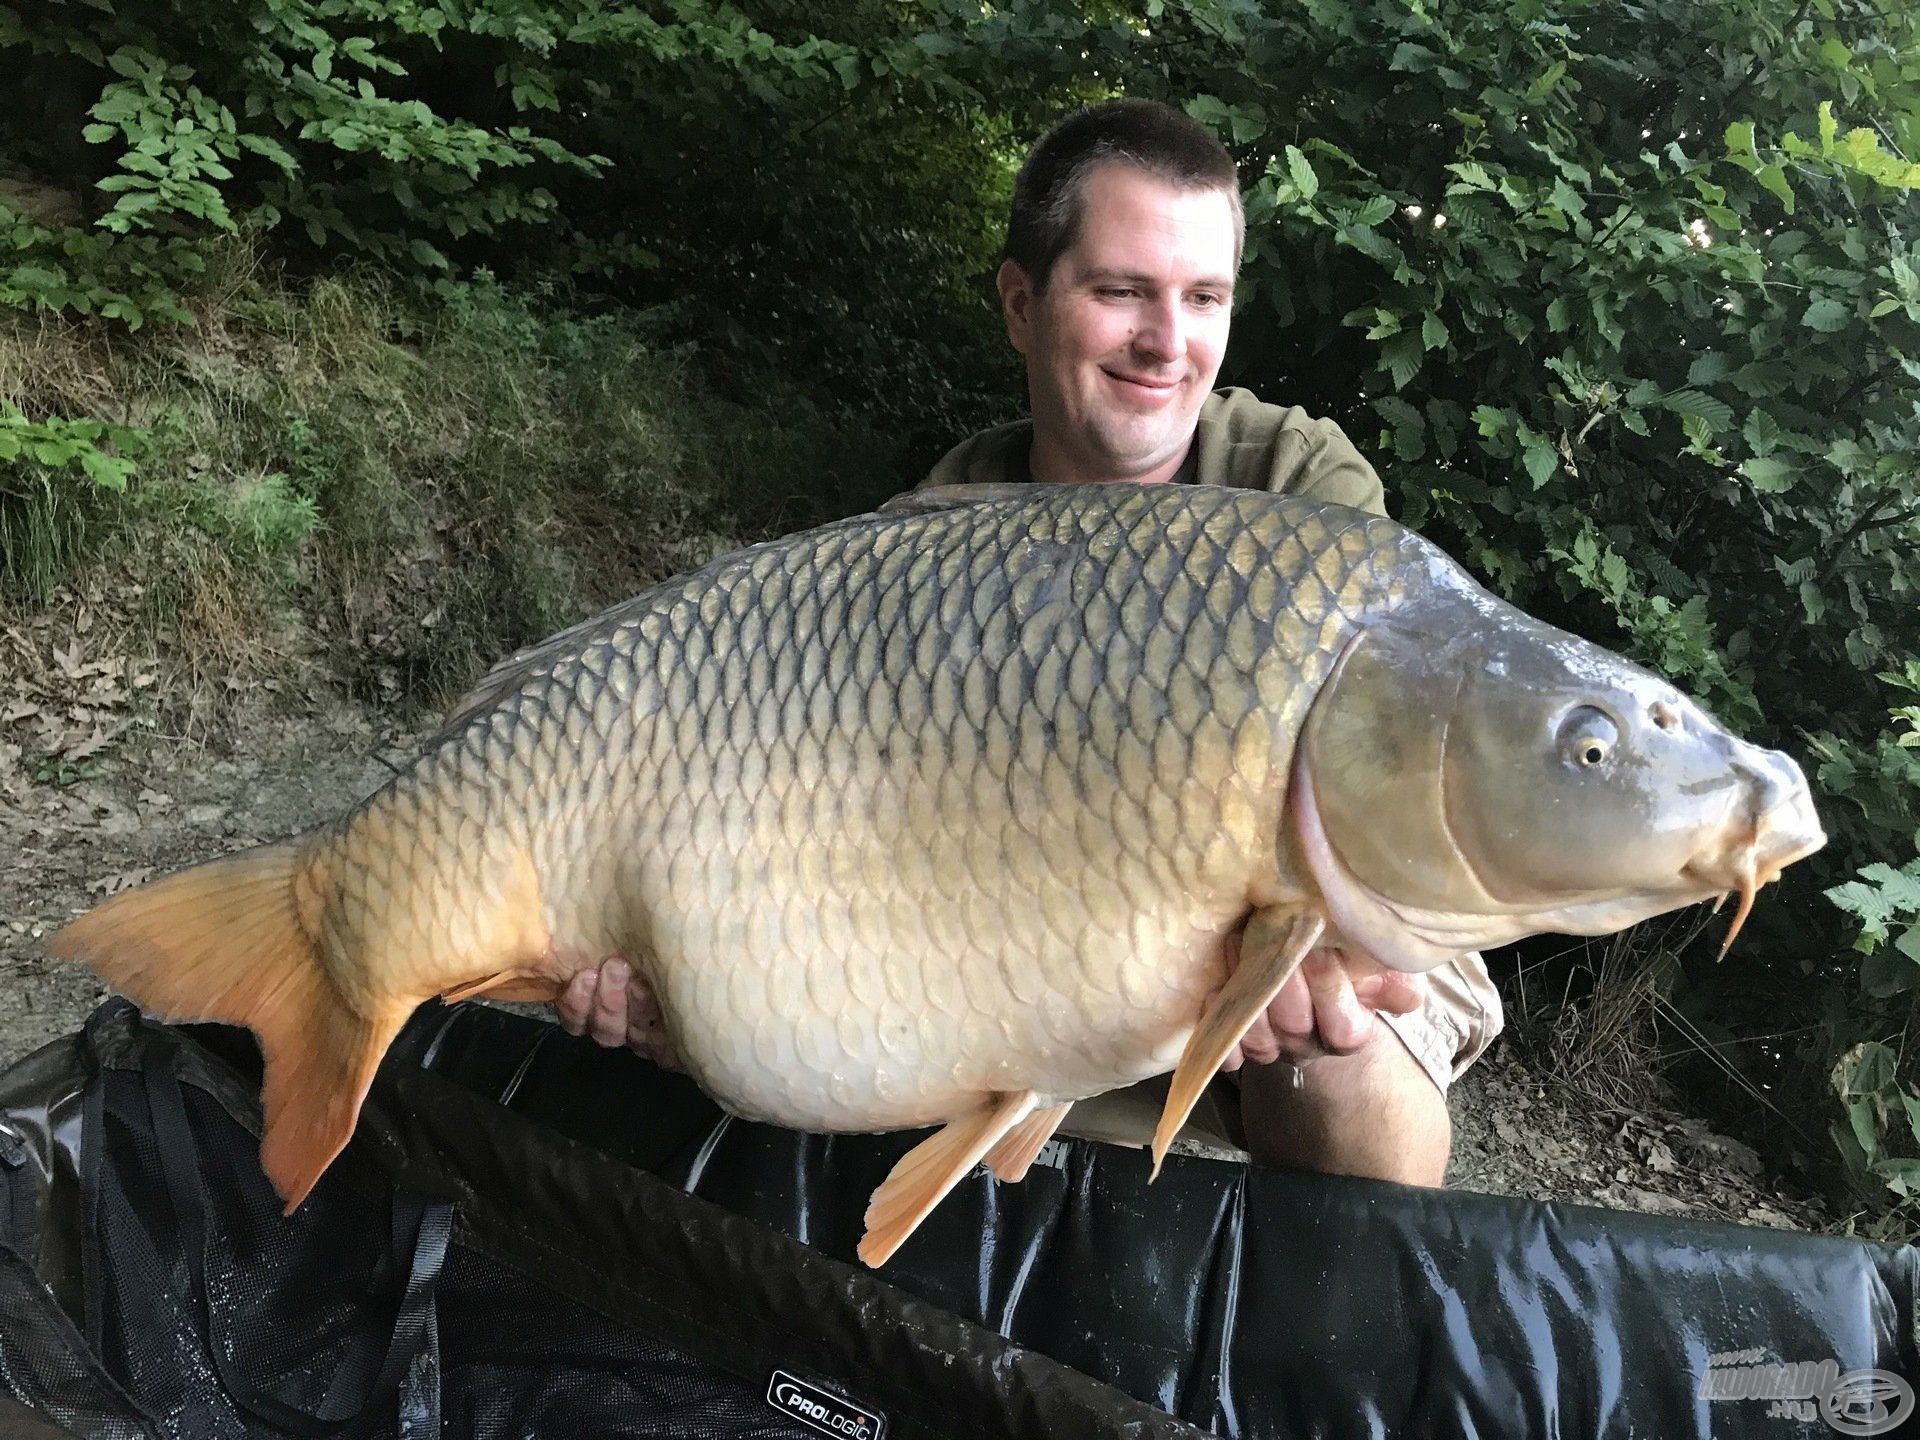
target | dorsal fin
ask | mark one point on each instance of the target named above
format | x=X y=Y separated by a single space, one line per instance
x=948 y=497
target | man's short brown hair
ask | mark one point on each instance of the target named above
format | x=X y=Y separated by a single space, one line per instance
x=1049 y=192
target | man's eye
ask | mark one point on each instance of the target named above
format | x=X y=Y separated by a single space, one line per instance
x=1116 y=292
x=1209 y=301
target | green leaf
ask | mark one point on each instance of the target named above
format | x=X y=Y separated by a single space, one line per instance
x=1829 y=127
x=1761 y=431
x=1865 y=1132
x=1717 y=414
x=1901 y=1174
x=1740 y=138
x=1409 y=427
x=1812 y=600
x=1550 y=77
x=1769 y=475
x=1402 y=355
x=1708 y=368
x=1774 y=179
x=1374 y=211
x=134 y=64
x=1909 y=943
x=1539 y=458
x=1873 y=1070
x=1304 y=180
x=1385 y=323
x=1433 y=332
x=1826 y=315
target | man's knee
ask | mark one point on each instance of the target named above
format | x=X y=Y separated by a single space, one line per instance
x=1376 y=1113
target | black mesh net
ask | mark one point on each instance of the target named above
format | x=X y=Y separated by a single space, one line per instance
x=43 y=1364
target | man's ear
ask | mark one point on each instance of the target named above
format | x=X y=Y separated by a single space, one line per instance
x=1017 y=301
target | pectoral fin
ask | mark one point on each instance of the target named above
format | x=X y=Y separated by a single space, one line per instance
x=1010 y=1159
x=933 y=1167
x=1276 y=941
x=508 y=985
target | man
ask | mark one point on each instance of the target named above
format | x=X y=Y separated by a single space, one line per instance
x=1122 y=248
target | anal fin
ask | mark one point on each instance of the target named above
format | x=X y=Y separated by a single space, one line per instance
x=320 y=1061
x=1010 y=1158
x=932 y=1168
x=1276 y=941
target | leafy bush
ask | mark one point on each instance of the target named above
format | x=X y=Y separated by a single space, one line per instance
x=42 y=503
x=819 y=180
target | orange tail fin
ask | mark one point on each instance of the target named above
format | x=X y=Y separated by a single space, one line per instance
x=228 y=941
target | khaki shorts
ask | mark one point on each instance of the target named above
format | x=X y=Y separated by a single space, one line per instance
x=1458 y=1022
x=1461 y=1016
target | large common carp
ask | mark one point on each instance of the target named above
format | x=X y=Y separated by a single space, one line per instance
x=949 y=815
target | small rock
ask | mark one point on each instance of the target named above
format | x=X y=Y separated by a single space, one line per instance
x=206 y=814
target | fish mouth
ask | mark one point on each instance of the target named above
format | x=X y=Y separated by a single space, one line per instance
x=1788 y=832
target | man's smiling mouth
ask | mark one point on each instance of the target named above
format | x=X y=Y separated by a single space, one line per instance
x=1151 y=386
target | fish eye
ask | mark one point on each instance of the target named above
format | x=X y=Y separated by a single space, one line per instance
x=1587 y=738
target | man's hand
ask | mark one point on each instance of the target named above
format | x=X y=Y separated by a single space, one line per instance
x=617 y=1007
x=1326 y=1009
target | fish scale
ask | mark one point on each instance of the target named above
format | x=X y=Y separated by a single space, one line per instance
x=946 y=815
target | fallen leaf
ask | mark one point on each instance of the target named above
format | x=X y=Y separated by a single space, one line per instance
x=68 y=660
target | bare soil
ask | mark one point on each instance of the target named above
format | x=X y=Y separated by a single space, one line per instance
x=95 y=795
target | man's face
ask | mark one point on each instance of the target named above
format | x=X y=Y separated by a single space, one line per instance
x=1123 y=346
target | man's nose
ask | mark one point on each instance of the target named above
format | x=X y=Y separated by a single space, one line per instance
x=1160 y=336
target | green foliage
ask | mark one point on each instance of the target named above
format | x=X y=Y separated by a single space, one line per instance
x=1879 y=1138
x=46 y=468
x=811 y=190
x=103 y=453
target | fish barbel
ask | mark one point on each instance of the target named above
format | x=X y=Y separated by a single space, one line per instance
x=948 y=815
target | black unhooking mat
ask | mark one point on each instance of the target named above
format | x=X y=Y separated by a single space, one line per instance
x=467 y=1269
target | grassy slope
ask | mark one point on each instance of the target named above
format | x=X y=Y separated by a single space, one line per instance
x=411 y=487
